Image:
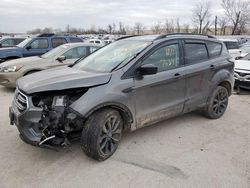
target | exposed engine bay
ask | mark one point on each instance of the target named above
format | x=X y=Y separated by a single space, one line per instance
x=58 y=121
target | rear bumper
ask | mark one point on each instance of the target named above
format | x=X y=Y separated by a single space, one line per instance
x=9 y=79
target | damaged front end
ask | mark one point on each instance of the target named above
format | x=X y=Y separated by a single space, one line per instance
x=45 y=118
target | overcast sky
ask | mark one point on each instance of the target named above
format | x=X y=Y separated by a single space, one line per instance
x=23 y=15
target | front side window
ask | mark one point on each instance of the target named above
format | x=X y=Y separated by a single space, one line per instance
x=76 y=53
x=39 y=44
x=58 y=41
x=165 y=58
x=195 y=52
x=8 y=42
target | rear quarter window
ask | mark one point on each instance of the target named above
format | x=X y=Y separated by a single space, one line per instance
x=195 y=52
x=214 y=49
x=232 y=45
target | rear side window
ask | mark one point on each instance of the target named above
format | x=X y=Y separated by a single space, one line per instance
x=214 y=49
x=232 y=45
x=58 y=41
x=93 y=48
x=75 y=40
x=195 y=52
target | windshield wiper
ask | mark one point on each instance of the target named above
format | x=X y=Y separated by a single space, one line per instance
x=128 y=59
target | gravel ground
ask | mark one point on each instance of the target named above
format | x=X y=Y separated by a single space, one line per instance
x=187 y=151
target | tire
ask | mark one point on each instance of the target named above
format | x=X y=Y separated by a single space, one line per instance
x=217 y=103
x=101 y=134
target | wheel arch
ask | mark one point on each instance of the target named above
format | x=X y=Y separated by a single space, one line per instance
x=31 y=70
x=124 y=111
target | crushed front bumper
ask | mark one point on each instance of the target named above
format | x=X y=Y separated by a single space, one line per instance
x=27 y=121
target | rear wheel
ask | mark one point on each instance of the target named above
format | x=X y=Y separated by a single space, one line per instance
x=217 y=103
x=101 y=134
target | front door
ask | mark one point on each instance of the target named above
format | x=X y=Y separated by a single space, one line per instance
x=36 y=47
x=161 y=95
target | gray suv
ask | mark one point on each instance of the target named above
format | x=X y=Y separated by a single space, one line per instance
x=126 y=85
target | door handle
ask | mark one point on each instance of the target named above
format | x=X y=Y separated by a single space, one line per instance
x=177 y=75
x=212 y=67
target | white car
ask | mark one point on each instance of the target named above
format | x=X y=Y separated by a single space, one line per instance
x=97 y=41
x=233 y=47
x=242 y=72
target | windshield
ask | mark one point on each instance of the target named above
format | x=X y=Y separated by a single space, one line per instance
x=247 y=57
x=23 y=44
x=112 y=55
x=52 y=53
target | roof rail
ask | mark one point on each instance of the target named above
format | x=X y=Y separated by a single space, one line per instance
x=125 y=37
x=46 y=35
x=192 y=34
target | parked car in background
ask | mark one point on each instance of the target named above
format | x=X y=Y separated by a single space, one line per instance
x=126 y=85
x=245 y=49
x=96 y=41
x=65 y=54
x=36 y=46
x=233 y=47
x=10 y=41
x=242 y=72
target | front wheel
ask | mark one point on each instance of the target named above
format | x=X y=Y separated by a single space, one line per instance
x=101 y=134
x=217 y=103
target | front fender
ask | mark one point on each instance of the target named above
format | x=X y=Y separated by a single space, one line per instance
x=5 y=54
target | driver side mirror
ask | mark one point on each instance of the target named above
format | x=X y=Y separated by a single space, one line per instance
x=1 y=45
x=61 y=59
x=147 y=69
x=28 y=47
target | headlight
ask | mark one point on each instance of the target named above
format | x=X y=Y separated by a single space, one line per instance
x=11 y=68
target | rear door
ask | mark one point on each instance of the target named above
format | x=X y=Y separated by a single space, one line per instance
x=200 y=68
x=161 y=95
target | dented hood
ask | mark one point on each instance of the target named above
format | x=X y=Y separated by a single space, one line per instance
x=61 y=78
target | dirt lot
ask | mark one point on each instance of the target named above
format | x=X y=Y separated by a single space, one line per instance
x=188 y=151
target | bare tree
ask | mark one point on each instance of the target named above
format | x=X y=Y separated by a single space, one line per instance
x=109 y=28
x=157 y=28
x=222 y=24
x=201 y=16
x=169 y=26
x=178 y=27
x=186 y=28
x=122 y=29
x=139 y=28
x=237 y=12
x=215 y=25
